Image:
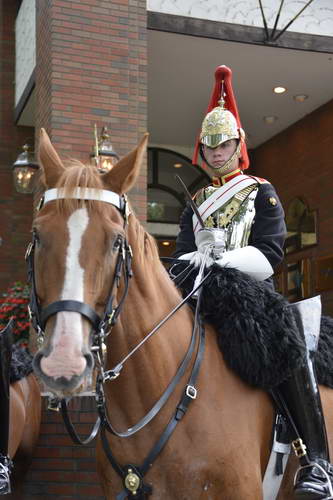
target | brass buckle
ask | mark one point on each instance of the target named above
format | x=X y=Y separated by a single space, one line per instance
x=53 y=403
x=191 y=392
x=299 y=447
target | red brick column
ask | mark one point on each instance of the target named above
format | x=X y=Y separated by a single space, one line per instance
x=15 y=209
x=92 y=68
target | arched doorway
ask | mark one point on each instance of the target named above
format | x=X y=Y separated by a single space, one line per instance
x=166 y=199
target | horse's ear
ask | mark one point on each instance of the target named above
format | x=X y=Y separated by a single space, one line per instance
x=123 y=175
x=49 y=159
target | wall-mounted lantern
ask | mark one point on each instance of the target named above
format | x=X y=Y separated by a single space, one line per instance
x=103 y=155
x=24 y=171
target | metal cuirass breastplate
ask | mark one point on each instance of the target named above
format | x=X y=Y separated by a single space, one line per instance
x=235 y=217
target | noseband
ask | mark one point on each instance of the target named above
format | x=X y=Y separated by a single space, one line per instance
x=100 y=324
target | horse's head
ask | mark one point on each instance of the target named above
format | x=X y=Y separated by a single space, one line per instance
x=75 y=250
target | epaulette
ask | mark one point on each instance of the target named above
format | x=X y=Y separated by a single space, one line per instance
x=260 y=179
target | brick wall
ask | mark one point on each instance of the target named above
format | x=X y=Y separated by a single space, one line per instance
x=15 y=209
x=60 y=468
x=92 y=68
x=298 y=162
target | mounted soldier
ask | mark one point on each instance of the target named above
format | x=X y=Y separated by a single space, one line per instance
x=238 y=222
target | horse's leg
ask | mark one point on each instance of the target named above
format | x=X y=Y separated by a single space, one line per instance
x=16 y=417
x=24 y=429
x=286 y=490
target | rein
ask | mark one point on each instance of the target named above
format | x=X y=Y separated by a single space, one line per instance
x=131 y=475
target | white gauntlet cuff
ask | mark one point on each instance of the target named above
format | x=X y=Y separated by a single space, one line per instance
x=249 y=260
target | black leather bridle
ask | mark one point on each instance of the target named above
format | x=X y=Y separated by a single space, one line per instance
x=132 y=475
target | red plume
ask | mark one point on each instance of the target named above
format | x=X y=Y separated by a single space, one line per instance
x=223 y=73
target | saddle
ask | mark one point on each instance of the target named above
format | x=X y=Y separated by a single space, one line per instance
x=256 y=329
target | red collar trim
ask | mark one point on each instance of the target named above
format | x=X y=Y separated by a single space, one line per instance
x=220 y=181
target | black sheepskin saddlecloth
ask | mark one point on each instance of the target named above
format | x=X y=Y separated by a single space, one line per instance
x=324 y=354
x=21 y=363
x=256 y=329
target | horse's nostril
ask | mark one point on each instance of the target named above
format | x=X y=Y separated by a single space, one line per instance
x=90 y=361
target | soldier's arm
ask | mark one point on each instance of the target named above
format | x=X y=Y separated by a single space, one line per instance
x=185 y=242
x=269 y=230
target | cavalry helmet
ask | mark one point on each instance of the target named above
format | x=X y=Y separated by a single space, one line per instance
x=222 y=121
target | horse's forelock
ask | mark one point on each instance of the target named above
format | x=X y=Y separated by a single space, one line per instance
x=76 y=175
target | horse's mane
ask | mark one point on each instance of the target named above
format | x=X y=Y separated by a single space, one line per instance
x=77 y=174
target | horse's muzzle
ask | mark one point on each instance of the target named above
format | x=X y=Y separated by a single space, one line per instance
x=64 y=384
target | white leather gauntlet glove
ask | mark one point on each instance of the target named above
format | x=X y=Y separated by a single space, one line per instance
x=210 y=244
x=249 y=260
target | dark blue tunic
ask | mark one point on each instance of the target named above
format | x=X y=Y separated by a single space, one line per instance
x=267 y=234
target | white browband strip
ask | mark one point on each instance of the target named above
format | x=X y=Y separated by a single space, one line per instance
x=84 y=194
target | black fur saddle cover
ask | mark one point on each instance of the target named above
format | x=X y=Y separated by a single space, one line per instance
x=21 y=363
x=256 y=329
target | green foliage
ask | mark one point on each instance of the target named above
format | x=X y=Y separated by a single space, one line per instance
x=14 y=304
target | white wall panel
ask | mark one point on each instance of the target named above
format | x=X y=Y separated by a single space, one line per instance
x=25 y=41
x=317 y=18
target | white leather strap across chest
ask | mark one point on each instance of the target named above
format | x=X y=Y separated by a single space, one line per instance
x=222 y=196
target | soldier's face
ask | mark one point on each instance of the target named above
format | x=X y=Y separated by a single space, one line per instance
x=217 y=157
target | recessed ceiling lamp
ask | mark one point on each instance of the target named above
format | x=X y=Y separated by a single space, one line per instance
x=279 y=90
x=300 y=97
x=178 y=165
x=270 y=119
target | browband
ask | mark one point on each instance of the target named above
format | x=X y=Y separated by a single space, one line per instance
x=85 y=194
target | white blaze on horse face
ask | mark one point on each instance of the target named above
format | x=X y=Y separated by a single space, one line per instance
x=66 y=357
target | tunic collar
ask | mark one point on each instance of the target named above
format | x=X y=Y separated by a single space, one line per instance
x=220 y=181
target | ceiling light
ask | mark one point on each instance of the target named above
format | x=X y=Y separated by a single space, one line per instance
x=270 y=119
x=166 y=243
x=178 y=165
x=279 y=90
x=300 y=97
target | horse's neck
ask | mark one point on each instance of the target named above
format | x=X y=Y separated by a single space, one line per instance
x=150 y=298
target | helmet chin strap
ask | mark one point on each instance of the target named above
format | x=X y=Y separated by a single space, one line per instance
x=224 y=169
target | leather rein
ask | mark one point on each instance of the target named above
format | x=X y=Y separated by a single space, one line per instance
x=132 y=475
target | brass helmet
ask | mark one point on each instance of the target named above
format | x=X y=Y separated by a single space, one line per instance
x=222 y=122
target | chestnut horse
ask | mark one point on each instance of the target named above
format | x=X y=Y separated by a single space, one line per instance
x=221 y=447
x=24 y=422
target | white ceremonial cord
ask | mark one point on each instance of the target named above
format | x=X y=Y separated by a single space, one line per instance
x=199 y=277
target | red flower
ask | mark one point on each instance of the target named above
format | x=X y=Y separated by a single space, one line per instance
x=13 y=304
